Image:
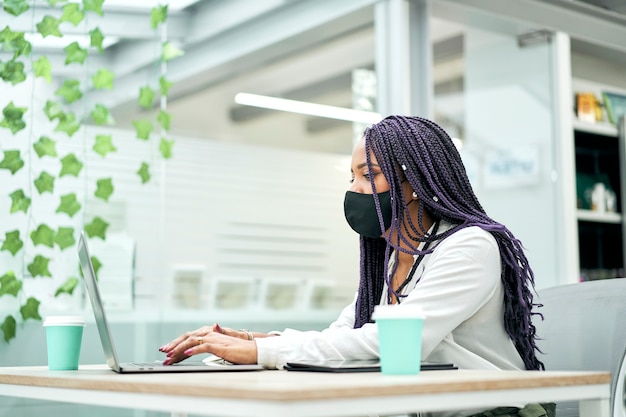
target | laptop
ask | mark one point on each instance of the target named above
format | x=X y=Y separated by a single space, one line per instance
x=106 y=337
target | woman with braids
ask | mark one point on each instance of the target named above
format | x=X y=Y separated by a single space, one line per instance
x=425 y=240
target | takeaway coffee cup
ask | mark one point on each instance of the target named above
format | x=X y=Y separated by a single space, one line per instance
x=399 y=338
x=64 y=336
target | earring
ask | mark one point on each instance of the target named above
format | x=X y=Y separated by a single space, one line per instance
x=414 y=194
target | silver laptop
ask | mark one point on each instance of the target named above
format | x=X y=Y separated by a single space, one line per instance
x=107 y=340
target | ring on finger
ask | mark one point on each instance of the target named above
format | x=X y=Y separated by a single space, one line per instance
x=199 y=341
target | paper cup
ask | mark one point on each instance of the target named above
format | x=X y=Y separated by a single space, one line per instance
x=399 y=338
x=64 y=336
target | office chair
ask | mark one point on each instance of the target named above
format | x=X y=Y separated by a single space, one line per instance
x=584 y=329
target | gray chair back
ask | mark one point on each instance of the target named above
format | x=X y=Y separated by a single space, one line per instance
x=584 y=329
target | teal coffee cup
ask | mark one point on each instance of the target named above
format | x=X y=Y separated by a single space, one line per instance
x=64 y=336
x=399 y=338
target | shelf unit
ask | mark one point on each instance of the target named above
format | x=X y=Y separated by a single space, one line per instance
x=601 y=235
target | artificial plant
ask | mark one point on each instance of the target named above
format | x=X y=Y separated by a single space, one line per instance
x=17 y=155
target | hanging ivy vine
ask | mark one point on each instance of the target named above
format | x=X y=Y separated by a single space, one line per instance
x=18 y=69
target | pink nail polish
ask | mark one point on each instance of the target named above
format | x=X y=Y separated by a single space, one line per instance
x=166 y=362
x=188 y=352
x=169 y=354
x=218 y=328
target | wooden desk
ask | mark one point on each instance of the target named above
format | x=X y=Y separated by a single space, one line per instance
x=304 y=394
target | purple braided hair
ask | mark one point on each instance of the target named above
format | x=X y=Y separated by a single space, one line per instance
x=421 y=152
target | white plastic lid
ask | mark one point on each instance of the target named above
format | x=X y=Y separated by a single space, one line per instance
x=394 y=311
x=64 y=321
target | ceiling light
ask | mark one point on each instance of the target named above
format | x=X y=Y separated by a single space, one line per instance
x=312 y=109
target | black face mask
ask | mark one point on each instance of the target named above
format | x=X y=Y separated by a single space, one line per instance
x=360 y=211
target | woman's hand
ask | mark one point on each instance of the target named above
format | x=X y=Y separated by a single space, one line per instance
x=231 y=345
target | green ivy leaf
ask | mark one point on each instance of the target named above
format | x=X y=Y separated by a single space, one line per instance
x=158 y=15
x=43 y=235
x=104 y=188
x=69 y=204
x=103 y=79
x=146 y=97
x=170 y=52
x=96 y=264
x=14 y=42
x=74 y=53
x=166 y=148
x=67 y=287
x=104 y=145
x=70 y=165
x=72 y=14
x=45 y=146
x=39 y=267
x=164 y=119
x=12 y=161
x=93 y=6
x=12 y=72
x=45 y=182
x=101 y=115
x=53 y=110
x=43 y=68
x=15 y=7
x=68 y=124
x=143 y=128
x=30 y=310
x=96 y=38
x=9 y=284
x=12 y=242
x=8 y=328
x=97 y=227
x=49 y=26
x=70 y=91
x=144 y=173
x=64 y=237
x=165 y=85
x=19 y=201
x=13 y=117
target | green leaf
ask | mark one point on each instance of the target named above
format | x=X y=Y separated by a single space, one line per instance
x=55 y=2
x=93 y=6
x=158 y=15
x=15 y=7
x=146 y=97
x=96 y=264
x=68 y=124
x=96 y=37
x=165 y=85
x=12 y=242
x=39 y=267
x=53 y=110
x=70 y=165
x=103 y=79
x=14 y=42
x=164 y=119
x=45 y=146
x=72 y=14
x=12 y=72
x=19 y=201
x=9 y=284
x=64 y=237
x=166 y=148
x=13 y=117
x=70 y=91
x=30 y=310
x=104 y=145
x=144 y=173
x=74 y=53
x=12 y=161
x=101 y=115
x=104 y=188
x=69 y=204
x=170 y=52
x=49 y=26
x=43 y=68
x=45 y=182
x=8 y=328
x=67 y=287
x=43 y=235
x=143 y=128
x=97 y=227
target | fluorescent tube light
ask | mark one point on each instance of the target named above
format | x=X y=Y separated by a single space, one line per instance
x=311 y=109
